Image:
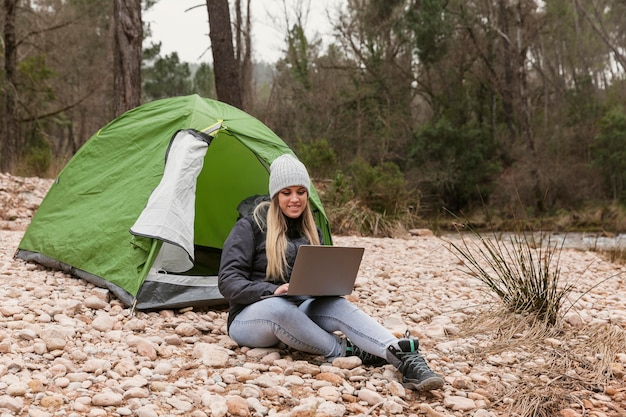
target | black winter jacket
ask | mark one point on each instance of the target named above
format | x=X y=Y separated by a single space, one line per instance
x=241 y=278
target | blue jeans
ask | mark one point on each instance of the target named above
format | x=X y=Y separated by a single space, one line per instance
x=309 y=326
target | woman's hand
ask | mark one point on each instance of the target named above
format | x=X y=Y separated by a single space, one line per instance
x=282 y=289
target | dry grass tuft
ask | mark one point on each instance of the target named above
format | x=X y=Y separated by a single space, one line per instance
x=555 y=365
x=508 y=330
x=615 y=255
x=354 y=218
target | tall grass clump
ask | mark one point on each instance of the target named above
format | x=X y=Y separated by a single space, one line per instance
x=522 y=271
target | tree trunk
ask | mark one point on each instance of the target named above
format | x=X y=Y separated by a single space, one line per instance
x=243 y=52
x=225 y=65
x=508 y=62
x=10 y=141
x=127 y=55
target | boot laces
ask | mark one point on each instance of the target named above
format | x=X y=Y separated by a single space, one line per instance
x=414 y=362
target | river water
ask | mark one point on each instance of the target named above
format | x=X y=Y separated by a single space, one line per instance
x=582 y=241
x=591 y=241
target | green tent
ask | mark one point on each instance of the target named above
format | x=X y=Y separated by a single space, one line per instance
x=144 y=207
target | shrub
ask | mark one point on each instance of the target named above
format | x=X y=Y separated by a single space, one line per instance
x=340 y=190
x=353 y=218
x=609 y=152
x=318 y=156
x=37 y=157
x=372 y=201
x=524 y=274
x=455 y=164
x=381 y=188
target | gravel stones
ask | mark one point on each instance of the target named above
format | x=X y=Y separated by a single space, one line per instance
x=68 y=348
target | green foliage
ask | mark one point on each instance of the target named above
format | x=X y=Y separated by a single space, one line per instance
x=372 y=201
x=204 y=81
x=456 y=164
x=340 y=191
x=381 y=188
x=147 y=4
x=34 y=80
x=297 y=55
x=609 y=152
x=583 y=107
x=523 y=273
x=360 y=212
x=526 y=77
x=432 y=29
x=36 y=95
x=150 y=54
x=167 y=77
x=37 y=157
x=318 y=156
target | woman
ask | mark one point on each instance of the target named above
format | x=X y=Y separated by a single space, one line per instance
x=256 y=262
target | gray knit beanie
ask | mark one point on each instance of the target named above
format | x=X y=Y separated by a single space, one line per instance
x=287 y=171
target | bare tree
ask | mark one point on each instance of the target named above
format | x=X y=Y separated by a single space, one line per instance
x=127 y=55
x=243 y=52
x=598 y=27
x=10 y=145
x=226 y=67
x=48 y=101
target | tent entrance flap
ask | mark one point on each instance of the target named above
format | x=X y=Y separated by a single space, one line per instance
x=170 y=212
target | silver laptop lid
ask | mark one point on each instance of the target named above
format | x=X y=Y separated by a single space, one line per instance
x=321 y=270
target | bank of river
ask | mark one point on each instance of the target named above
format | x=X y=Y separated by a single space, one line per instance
x=574 y=240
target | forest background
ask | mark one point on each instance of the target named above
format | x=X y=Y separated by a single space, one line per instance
x=418 y=113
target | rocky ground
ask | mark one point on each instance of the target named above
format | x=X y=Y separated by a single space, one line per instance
x=68 y=348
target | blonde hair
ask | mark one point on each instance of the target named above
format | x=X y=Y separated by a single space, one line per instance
x=275 y=224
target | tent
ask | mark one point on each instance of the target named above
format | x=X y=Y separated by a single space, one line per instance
x=144 y=206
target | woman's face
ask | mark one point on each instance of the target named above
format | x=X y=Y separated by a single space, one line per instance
x=293 y=200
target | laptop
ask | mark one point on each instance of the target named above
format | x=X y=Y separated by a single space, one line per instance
x=321 y=270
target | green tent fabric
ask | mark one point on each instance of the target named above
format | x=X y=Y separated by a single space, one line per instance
x=143 y=208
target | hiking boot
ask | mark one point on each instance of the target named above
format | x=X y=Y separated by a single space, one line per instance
x=416 y=374
x=409 y=343
x=366 y=358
